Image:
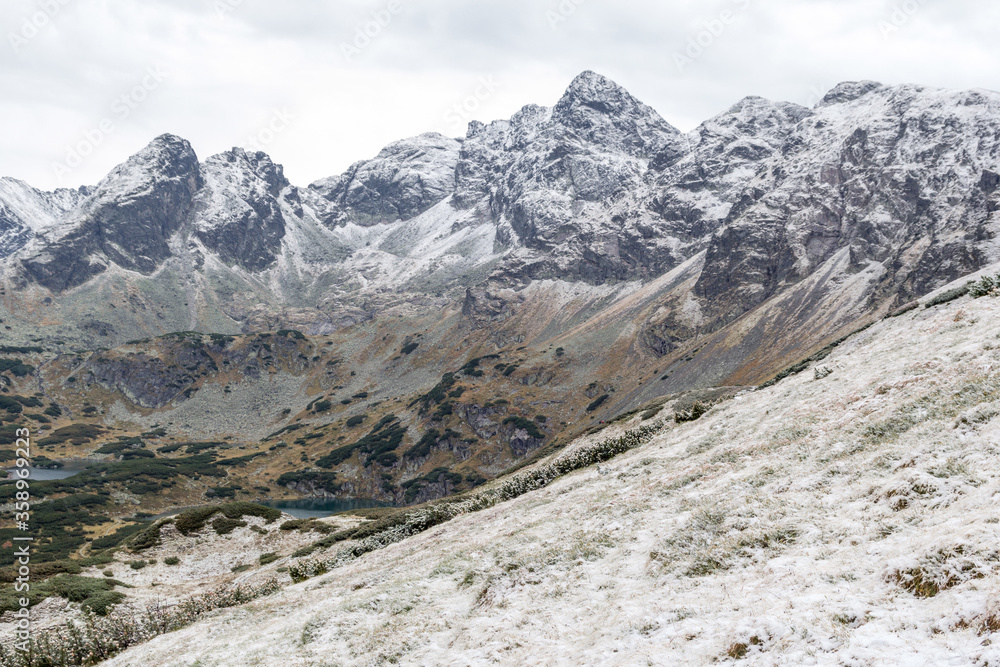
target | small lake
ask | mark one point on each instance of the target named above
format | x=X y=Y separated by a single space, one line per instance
x=69 y=468
x=305 y=508
x=314 y=508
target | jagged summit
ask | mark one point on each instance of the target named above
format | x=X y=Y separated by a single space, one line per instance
x=405 y=179
x=848 y=91
x=598 y=109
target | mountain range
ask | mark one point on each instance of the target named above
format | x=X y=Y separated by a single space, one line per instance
x=595 y=255
x=813 y=218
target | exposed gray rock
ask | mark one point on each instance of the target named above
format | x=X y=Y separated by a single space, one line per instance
x=237 y=213
x=127 y=220
x=405 y=179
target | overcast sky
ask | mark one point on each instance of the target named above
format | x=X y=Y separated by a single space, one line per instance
x=319 y=85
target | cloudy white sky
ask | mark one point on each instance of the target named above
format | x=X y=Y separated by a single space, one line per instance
x=88 y=82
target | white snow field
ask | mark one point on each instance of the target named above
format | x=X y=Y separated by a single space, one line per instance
x=843 y=519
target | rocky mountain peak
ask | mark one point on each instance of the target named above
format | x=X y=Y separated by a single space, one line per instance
x=599 y=110
x=848 y=91
x=127 y=219
x=165 y=157
x=405 y=179
x=257 y=163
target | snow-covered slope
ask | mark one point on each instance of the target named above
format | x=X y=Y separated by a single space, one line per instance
x=26 y=211
x=845 y=516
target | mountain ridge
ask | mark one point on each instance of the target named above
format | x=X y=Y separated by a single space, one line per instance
x=788 y=226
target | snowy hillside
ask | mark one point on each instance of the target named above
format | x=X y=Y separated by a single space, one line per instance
x=844 y=516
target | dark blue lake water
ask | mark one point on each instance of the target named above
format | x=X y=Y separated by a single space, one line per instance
x=307 y=508
x=69 y=468
x=311 y=508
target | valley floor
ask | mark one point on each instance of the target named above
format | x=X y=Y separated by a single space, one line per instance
x=849 y=518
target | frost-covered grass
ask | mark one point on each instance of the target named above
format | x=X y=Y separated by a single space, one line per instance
x=846 y=520
x=97 y=638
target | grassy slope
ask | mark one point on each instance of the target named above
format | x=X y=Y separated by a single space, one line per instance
x=806 y=523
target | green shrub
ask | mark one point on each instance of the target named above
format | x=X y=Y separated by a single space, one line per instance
x=985 y=286
x=691 y=414
x=78 y=434
x=355 y=420
x=148 y=538
x=379 y=444
x=95 y=638
x=948 y=295
x=902 y=310
x=652 y=412
x=269 y=557
x=10 y=405
x=171 y=560
x=409 y=347
x=94 y=594
x=16 y=367
x=423 y=446
x=195 y=519
x=322 y=406
x=137 y=564
x=224 y=525
x=527 y=425
x=117 y=537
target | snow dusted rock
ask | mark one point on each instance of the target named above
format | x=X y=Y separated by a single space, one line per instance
x=127 y=220
x=24 y=211
x=405 y=179
x=548 y=178
x=904 y=176
x=237 y=213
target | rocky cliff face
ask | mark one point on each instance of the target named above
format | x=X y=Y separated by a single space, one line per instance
x=127 y=220
x=903 y=176
x=238 y=213
x=405 y=179
x=550 y=178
